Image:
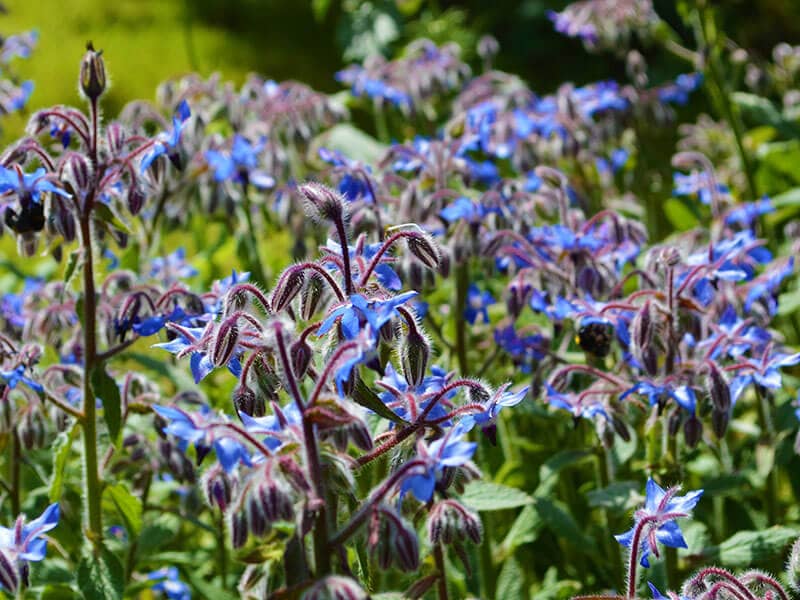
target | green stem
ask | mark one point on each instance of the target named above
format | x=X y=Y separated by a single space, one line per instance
x=255 y=257
x=438 y=556
x=459 y=306
x=768 y=439
x=14 y=465
x=729 y=110
x=90 y=462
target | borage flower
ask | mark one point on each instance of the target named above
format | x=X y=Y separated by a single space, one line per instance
x=655 y=523
x=24 y=543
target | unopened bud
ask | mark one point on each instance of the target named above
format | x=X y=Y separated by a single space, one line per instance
x=136 y=199
x=276 y=500
x=311 y=296
x=300 y=353
x=288 y=286
x=793 y=566
x=323 y=203
x=719 y=421
x=451 y=522
x=718 y=389
x=225 y=341
x=335 y=587
x=247 y=402
x=425 y=250
x=93 y=73
x=692 y=431
x=238 y=528
x=217 y=487
x=9 y=578
x=415 y=353
x=392 y=540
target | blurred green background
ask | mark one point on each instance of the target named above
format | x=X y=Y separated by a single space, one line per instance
x=147 y=41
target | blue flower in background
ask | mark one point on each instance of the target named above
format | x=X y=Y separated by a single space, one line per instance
x=172 y=267
x=463 y=209
x=240 y=164
x=678 y=92
x=166 y=143
x=14 y=376
x=477 y=304
x=501 y=399
x=661 y=509
x=747 y=213
x=167 y=580
x=186 y=343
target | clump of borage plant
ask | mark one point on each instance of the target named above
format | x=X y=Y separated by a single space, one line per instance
x=308 y=358
x=656 y=526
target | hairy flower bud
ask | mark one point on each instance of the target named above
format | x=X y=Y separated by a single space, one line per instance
x=335 y=587
x=288 y=286
x=311 y=296
x=9 y=577
x=450 y=522
x=238 y=529
x=793 y=566
x=136 y=199
x=322 y=202
x=425 y=250
x=392 y=540
x=719 y=421
x=692 y=431
x=93 y=73
x=224 y=343
x=217 y=487
x=718 y=389
x=246 y=401
x=300 y=353
x=31 y=428
x=415 y=354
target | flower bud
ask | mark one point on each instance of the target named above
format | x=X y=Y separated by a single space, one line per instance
x=425 y=250
x=392 y=540
x=450 y=522
x=322 y=202
x=31 y=429
x=9 y=578
x=277 y=503
x=225 y=341
x=643 y=328
x=719 y=421
x=247 y=402
x=93 y=73
x=793 y=567
x=718 y=389
x=136 y=199
x=300 y=353
x=692 y=431
x=238 y=529
x=415 y=354
x=217 y=487
x=335 y=587
x=311 y=296
x=288 y=286
x=518 y=292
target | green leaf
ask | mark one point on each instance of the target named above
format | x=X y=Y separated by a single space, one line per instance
x=524 y=530
x=103 y=213
x=487 y=496
x=761 y=111
x=205 y=589
x=558 y=519
x=101 y=578
x=747 y=548
x=352 y=142
x=157 y=534
x=510 y=581
x=788 y=198
x=679 y=214
x=618 y=497
x=127 y=505
x=319 y=9
x=59 y=591
x=105 y=388
x=789 y=302
x=364 y=396
x=61 y=448
x=552 y=467
x=72 y=262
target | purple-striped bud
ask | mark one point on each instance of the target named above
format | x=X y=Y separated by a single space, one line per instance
x=115 y=138
x=136 y=199
x=793 y=566
x=518 y=292
x=238 y=528
x=256 y=518
x=288 y=286
x=310 y=298
x=643 y=328
x=218 y=487
x=31 y=428
x=335 y=587
x=718 y=389
x=77 y=172
x=9 y=577
x=246 y=401
x=93 y=73
x=719 y=421
x=300 y=353
x=322 y=202
x=266 y=379
x=425 y=250
x=674 y=421
x=415 y=354
x=392 y=540
x=224 y=343
x=450 y=522
x=275 y=497
x=692 y=431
